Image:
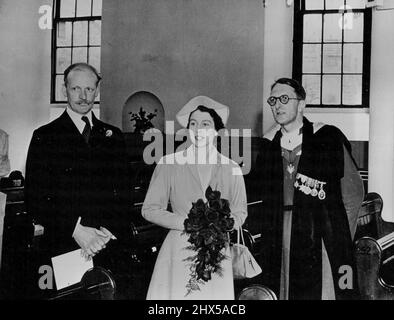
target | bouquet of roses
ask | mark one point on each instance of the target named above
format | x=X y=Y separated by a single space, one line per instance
x=207 y=225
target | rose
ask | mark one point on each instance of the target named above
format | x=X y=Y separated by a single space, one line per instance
x=211 y=215
x=195 y=213
x=229 y=224
x=200 y=206
x=192 y=225
x=222 y=224
x=187 y=225
x=225 y=207
x=212 y=195
x=215 y=204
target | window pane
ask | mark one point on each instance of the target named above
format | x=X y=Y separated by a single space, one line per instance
x=80 y=55
x=95 y=33
x=311 y=83
x=314 y=4
x=63 y=59
x=334 y=4
x=97 y=5
x=333 y=27
x=354 y=27
x=67 y=8
x=332 y=54
x=331 y=89
x=80 y=33
x=64 y=30
x=352 y=90
x=58 y=88
x=356 y=4
x=312 y=27
x=353 y=58
x=94 y=57
x=84 y=8
x=311 y=62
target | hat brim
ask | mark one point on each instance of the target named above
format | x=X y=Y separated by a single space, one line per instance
x=184 y=114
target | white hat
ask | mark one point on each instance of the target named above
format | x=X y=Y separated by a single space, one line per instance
x=183 y=115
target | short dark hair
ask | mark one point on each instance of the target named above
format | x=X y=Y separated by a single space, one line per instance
x=81 y=66
x=298 y=88
x=217 y=120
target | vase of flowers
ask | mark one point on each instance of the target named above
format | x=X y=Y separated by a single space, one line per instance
x=143 y=120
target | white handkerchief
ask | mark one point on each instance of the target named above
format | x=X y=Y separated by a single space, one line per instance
x=69 y=268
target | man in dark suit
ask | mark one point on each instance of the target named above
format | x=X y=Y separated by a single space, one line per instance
x=75 y=176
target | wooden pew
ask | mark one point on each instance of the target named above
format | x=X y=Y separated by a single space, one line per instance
x=375 y=267
x=374 y=250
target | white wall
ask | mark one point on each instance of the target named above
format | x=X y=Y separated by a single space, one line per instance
x=278 y=51
x=178 y=49
x=381 y=145
x=353 y=123
x=24 y=74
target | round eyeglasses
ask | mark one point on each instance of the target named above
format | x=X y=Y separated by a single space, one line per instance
x=284 y=99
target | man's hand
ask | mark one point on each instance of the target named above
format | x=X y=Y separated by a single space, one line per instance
x=91 y=240
x=108 y=233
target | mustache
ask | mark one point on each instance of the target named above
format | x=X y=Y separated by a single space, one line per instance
x=84 y=101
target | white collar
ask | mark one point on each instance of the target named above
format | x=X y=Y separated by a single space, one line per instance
x=77 y=118
x=291 y=140
x=295 y=132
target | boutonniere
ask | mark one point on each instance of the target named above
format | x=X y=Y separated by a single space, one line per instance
x=108 y=133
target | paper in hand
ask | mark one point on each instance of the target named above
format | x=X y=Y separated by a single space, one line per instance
x=69 y=268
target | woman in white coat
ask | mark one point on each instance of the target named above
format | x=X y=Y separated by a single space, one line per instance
x=182 y=183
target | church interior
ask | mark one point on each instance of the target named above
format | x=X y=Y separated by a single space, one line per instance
x=154 y=56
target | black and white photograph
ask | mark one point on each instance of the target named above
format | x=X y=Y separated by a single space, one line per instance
x=212 y=151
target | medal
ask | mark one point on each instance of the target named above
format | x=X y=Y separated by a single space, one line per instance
x=314 y=191
x=296 y=184
x=322 y=194
x=307 y=190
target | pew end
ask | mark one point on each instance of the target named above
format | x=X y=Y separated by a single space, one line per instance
x=375 y=267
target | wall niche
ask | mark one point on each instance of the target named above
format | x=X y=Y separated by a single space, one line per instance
x=142 y=111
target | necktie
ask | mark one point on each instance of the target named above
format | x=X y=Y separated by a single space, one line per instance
x=87 y=129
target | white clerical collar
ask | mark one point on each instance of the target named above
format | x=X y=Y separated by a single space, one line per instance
x=77 y=118
x=291 y=140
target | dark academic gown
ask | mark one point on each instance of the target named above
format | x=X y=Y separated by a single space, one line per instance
x=315 y=221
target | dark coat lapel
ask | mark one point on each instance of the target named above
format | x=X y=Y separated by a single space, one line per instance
x=99 y=133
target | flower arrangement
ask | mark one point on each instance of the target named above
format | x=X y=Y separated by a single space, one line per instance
x=207 y=225
x=143 y=120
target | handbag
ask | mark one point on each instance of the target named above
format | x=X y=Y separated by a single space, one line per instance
x=244 y=264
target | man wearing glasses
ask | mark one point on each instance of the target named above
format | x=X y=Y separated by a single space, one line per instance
x=311 y=194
